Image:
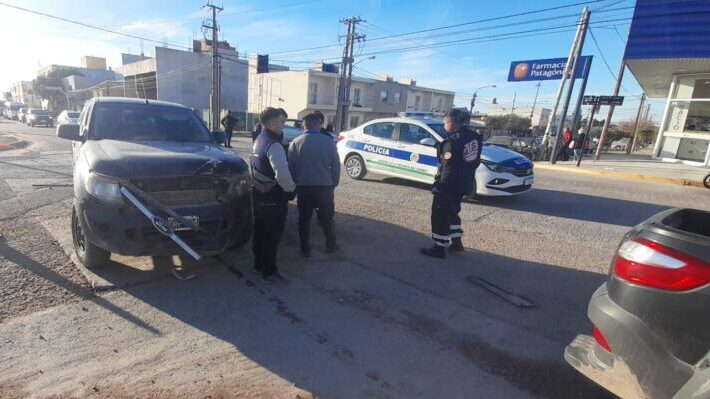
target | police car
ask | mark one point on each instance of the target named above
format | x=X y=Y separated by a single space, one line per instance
x=406 y=148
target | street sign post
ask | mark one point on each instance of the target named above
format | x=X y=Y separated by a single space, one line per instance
x=596 y=102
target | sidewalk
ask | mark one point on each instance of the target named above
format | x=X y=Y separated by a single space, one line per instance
x=634 y=167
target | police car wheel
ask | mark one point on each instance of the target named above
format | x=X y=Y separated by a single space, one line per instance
x=355 y=167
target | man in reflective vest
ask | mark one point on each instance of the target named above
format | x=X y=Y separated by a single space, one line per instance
x=459 y=156
x=273 y=188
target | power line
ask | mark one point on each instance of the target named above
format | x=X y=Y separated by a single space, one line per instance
x=606 y=63
x=84 y=24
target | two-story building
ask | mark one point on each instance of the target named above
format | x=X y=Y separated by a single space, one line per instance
x=301 y=92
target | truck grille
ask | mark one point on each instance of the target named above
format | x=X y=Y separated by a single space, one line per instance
x=178 y=191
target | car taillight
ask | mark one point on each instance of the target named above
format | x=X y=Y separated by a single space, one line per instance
x=601 y=339
x=340 y=137
x=651 y=264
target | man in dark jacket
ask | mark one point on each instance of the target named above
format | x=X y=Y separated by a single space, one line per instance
x=315 y=167
x=229 y=122
x=273 y=188
x=459 y=156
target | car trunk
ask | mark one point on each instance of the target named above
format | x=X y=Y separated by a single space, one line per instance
x=679 y=318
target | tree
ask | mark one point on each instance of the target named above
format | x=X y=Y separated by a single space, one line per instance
x=49 y=87
x=7 y=96
x=513 y=123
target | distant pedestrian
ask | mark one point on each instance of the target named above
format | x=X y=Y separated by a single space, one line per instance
x=315 y=166
x=273 y=188
x=579 y=144
x=564 y=148
x=229 y=122
x=459 y=155
x=321 y=120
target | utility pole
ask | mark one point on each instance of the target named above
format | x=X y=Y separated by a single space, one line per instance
x=214 y=98
x=346 y=73
x=609 y=114
x=565 y=74
x=637 y=124
x=532 y=110
x=573 y=73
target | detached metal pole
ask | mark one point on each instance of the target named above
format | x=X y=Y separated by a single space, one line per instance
x=558 y=96
x=570 y=88
x=637 y=124
x=609 y=114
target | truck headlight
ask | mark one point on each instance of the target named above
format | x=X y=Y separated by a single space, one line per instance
x=103 y=188
x=240 y=186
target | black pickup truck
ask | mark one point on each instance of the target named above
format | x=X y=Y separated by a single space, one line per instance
x=651 y=335
x=163 y=154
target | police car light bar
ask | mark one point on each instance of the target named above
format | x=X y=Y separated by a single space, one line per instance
x=416 y=114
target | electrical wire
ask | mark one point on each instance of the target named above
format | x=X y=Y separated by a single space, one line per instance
x=606 y=63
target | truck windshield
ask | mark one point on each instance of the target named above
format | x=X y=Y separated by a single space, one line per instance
x=146 y=122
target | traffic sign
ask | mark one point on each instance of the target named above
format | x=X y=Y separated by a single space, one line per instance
x=603 y=100
x=611 y=100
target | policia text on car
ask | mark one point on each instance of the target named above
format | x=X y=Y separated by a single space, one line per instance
x=459 y=155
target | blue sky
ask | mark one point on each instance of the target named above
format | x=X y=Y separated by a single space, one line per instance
x=285 y=25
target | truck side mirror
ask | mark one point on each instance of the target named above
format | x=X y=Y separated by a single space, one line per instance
x=69 y=131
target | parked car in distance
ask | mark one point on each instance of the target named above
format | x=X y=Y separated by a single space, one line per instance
x=297 y=123
x=11 y=109
x=621 y=144
x=21 y=114
x=651 y=337
x=163 y=151
x=67 y=116
x=35 y=117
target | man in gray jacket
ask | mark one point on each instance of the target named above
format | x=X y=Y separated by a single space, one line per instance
x=315 y=167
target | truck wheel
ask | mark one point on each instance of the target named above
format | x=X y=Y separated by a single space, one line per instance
x=89 y=254
x=244 y=235
x=355 y=166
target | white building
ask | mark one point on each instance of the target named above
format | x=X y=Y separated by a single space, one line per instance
x=22 y=93
x=304 y=91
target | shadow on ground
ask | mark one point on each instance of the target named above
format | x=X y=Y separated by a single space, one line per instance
x=381 y=321
x=562 y=204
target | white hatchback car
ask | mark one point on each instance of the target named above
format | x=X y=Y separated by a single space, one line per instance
x=68 y=117
x=406 y=148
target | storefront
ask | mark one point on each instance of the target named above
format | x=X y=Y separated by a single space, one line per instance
x=668 y=52
x=684 y=133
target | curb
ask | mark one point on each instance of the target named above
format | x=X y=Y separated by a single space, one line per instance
x=623 y=175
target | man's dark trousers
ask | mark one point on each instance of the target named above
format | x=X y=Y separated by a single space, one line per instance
x=270 y=213
x=309 y=199
x=229 y=133
x=445 y=220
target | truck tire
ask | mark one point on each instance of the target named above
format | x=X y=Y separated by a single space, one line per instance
x=355 y=166
x=89 y=254
x=244 y=235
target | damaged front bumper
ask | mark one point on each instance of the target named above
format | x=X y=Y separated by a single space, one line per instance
x=125 y=230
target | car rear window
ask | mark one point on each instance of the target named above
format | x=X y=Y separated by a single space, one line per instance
x=119 y=121
x=40 y=112
x=439 y=128
x=73 y=114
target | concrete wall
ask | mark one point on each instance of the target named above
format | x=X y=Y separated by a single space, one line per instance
x=390 y=106
x=90 y=78
x=186 y=78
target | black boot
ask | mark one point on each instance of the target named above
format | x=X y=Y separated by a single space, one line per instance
x=456 y=245
x=437 y=251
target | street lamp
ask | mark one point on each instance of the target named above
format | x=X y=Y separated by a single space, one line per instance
x=475 y=93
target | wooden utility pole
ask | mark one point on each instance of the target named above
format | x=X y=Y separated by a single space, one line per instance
x=214 y=97
x=346 y=73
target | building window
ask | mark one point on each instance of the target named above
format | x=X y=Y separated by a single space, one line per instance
x=313 y=93
x=354 y=121
x=356 y=96
x=686 y=134
x=383 y=96
x=417 y=102
x=397 y=97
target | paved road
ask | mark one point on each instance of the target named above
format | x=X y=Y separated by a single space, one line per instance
x=377 y=321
